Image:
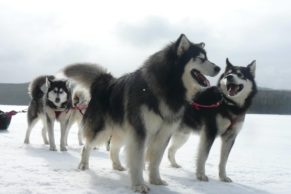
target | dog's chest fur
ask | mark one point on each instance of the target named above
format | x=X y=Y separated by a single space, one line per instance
x=233 y=123
x=154 y=121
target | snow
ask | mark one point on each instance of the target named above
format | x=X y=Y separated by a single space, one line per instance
x=260 y=163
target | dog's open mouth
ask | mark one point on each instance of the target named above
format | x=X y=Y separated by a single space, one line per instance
x=201 y=79
x=234 y=89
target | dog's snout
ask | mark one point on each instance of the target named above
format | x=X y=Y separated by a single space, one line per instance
x=57 y=100
x=217 y=69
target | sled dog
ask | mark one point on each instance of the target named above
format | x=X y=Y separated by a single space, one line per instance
x=235 y=91
x=146 y=106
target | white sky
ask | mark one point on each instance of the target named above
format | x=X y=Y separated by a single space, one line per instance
x=40 y=37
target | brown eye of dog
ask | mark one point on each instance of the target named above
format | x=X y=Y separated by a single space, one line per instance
x=202 y=59
x=240 y=75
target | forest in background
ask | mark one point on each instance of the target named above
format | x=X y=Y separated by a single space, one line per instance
x=267 y=101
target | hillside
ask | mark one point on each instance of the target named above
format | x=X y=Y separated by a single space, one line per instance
x=267 y=101
x=14 y=94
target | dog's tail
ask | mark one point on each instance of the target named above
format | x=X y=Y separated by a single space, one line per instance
x=36 y=87
x=84 y=73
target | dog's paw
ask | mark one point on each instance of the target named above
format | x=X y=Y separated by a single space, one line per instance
x=202 y=177
x=63 y=148
x=53 y=148
x=26 y=141
x=83 y=166
x=226 y=179
x=158 y=181
x=119 y=167
x=143 y=188
x=175 y=165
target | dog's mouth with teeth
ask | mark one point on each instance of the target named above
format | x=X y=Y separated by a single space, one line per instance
x=200 y=78
x=233 y=89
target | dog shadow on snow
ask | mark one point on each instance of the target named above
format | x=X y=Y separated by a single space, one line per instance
x=119 y=182
x=214 y=186
x=61 y=160
x=100 y=178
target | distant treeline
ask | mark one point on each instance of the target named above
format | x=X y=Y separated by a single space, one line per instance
x=14 y=94
x=267 y=101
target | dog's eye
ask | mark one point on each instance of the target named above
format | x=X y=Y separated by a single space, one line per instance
x=202 y=59
x=240 y=75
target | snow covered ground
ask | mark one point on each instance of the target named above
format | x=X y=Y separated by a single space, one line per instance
x=260 y=163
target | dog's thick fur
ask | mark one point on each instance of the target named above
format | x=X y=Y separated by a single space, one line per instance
x=237 y=88
x=146 y=106
x=80 y=100
x=50 y=101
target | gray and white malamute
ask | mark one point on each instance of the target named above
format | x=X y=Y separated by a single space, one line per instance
x=50 y=101
x=234 y=93
x=146 y=106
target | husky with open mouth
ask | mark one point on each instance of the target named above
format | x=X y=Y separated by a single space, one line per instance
x=143 y=108
x=218 y=111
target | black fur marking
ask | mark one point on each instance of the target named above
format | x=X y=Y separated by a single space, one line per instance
x=167 y=68
x=99 y=104
x=230 y=104
x=228 y=108
x=59 y=85
x=160 y=78
x=36 y=92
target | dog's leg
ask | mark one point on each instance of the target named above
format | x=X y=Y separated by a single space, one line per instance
x=84 y=164
x=68 y=123
x=206 y=141
x=31 y=124
x=116 y=144
x=108 y=144
x=49 y=122
x=177 y=141
x=44 y=135
x=135 y=158
x=80 y=132
x=227 y=142
x=156 y=150
x=64 y=134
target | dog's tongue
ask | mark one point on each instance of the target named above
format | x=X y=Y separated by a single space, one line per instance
x=203 y=80
x=232 y=89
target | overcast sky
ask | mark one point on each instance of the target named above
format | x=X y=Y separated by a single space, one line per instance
x=40 y=37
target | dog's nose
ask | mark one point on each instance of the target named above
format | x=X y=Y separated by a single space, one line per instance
x=57 y=100
x=229 y=78
x=217 y=69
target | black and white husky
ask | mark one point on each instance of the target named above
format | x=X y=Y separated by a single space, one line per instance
x=145 y=106
x=236 y=89
x=50 y=101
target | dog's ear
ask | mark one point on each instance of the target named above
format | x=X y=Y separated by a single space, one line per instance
x=48 y=81
x=228 y=65
x=201 y=45
x=252 y=68
x=182 y=44
x=68 y=84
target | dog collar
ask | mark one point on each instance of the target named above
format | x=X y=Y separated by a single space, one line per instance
x=198 y=106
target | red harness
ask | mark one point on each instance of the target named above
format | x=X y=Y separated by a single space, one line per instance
x=58 y=113
x=197 y=106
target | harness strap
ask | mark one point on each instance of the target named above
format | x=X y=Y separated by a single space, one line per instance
x=58 y=113
x=198 y=106
x=80 y=108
